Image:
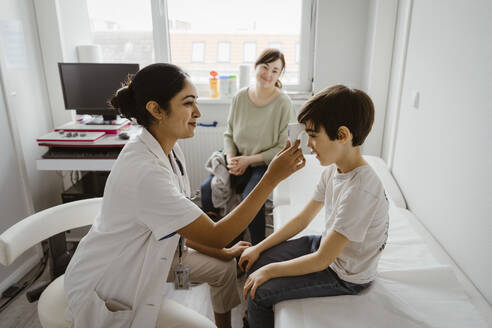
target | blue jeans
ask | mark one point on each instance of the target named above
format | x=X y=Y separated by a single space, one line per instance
x=316 y=284
x=257 y=226
x=206 y=195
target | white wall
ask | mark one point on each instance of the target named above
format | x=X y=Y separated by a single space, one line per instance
x=62 y=25
x=27 y=101
x=402 y=31
x=340 y=46
x=443 y=149
x=377 y=67
x=15 y=203
x=354 y=46
x=25 y=116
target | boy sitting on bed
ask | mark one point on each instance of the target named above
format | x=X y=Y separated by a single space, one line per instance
x=343 y=260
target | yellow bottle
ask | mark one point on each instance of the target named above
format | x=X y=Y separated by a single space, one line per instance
x=214 y=85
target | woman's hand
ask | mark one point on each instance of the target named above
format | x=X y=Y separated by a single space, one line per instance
x=250 y=256
x=231 y=164
x=236 y=250
x=229 y=158
x=237 y=165
x=255 y=280
x=286 y=162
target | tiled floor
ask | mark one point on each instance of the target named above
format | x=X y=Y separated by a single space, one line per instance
x=20 y=313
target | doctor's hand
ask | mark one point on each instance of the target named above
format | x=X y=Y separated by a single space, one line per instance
x=249 y=257
x=236 y=250
x=286 y=162
x=255 y=280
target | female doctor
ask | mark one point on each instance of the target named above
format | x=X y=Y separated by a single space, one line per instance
x=117 y=276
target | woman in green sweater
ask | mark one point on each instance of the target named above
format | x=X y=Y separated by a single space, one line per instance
x=256 y=131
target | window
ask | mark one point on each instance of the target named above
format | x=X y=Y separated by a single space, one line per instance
x=234 y=33
x=275 y=45
x=215 y=35
x=249 y=52
x=125 y=35
x=224 y=52
x=198 y=52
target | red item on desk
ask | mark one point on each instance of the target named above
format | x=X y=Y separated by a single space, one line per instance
x=70 y=138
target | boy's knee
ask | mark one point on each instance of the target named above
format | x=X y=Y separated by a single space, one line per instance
x=260 y=262
x=260 y=300
x=252 y=303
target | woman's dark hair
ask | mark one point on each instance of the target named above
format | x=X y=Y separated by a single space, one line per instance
x=340 y=106
x=158 y=82
x=270 y=55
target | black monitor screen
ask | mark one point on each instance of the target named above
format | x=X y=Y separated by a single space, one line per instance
x=87 y=87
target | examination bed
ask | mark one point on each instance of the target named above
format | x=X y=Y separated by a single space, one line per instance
x=412 y=288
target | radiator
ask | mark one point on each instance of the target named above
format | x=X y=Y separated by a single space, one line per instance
x=198 y=149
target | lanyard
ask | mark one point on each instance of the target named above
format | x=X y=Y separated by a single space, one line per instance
x=180 y=176
x=178 y=170
x=180 y=249
x=180 y=166
x=177 y=166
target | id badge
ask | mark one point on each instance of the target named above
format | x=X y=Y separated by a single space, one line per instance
x=181 y=277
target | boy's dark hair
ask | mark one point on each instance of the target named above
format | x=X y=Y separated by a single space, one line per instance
x=340 y=106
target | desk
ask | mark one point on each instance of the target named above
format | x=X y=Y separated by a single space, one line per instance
x=75 y=164
x=88 y=164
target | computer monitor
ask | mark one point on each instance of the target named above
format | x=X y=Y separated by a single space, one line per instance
x=87 y=87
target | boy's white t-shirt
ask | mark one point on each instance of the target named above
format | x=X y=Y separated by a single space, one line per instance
x=356 y=207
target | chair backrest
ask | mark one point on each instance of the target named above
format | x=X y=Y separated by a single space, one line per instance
x=42 y=225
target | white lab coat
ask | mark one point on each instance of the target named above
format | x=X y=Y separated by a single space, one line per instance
x=121 y=262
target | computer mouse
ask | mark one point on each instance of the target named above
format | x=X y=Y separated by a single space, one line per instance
x=124 y=136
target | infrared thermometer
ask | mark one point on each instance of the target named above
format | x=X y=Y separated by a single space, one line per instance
x=294 y=131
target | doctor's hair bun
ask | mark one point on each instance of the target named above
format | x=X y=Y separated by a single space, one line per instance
x=158 y=82
x=124 y=101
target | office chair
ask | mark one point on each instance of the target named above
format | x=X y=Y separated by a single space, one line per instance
x=38 y=227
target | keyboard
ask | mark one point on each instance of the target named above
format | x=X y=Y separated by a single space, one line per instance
x=82 y=153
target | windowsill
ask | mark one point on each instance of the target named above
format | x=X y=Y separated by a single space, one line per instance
x=208 y=100
x=296 y=97
x=299 y=101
